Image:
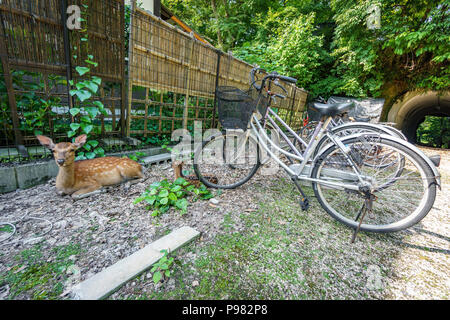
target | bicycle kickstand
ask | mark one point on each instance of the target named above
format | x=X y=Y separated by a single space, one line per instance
x=304 y=201
x=368 y=202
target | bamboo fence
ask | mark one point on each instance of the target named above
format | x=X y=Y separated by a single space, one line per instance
x=178 y=75
x=171 y=77
x=37 y=46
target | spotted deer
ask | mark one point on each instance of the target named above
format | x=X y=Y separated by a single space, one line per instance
x=87 y=177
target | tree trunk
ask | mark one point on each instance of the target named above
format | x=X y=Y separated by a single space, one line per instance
x=227 y=15
x=219 y=35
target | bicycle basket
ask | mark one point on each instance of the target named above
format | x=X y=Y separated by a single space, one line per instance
x=235 y=107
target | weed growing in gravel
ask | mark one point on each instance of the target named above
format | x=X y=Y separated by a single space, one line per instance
x=6 y=228
x=161 y=268
x=162 y=195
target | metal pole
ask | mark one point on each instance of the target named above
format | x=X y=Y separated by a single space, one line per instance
x=67 y=52
x=122 y=74
x=219 y=54
x=130 y=67
x=157 y=8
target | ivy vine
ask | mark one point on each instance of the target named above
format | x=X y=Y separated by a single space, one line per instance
x=86 y=110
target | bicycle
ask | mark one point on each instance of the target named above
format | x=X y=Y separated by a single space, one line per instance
x=368 y=181
x=343 y=124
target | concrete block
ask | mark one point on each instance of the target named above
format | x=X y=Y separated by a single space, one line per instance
x=154 y=151
x=113 y=142
x=133 y=141
x=110 y=279
x=30 y=175
x=157 y=158
x=147 y=152
x=8 y=180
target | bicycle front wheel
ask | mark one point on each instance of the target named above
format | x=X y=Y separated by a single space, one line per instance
x=227 y=161
x=402 y=198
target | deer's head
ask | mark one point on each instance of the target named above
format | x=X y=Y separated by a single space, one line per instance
x=63 y=152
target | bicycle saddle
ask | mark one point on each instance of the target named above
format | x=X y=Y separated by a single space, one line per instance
x=331 y=109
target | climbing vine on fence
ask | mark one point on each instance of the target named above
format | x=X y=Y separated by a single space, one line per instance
x=84 y=88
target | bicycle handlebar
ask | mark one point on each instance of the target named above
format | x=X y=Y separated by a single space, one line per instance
x=271 y=76
x=288 y=79
x=252 y=77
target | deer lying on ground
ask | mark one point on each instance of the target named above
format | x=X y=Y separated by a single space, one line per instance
x=83 y=178
x=192 y=179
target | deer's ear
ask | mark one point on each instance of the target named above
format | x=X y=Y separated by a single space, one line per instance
x=46 y=142
x=80 y=141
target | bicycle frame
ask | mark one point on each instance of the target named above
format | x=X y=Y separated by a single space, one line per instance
x=303 y=171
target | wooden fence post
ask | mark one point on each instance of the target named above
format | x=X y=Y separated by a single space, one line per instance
x=9 y=87
x=293 y=88
x=67 y=53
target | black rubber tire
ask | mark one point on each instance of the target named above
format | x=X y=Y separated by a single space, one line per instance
x=396 y=132
x=410 y=220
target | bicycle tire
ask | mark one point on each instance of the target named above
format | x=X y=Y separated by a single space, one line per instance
x=200 y=168
x=392 y=197
x=396 y=132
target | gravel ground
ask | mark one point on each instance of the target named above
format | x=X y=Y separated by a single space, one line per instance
x=422 y=267
x=255 y=243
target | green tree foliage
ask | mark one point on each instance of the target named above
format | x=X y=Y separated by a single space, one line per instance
x=299 y=52
x=328 y=46
x=409 y=51
x=434 y=132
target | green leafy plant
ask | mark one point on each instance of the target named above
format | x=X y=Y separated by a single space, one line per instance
x=136 y=156
x=163 y=195
x=434 y=132
x=161 y=268
x=83 y=90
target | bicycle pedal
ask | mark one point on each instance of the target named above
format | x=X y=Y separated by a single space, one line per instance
x=304 y=204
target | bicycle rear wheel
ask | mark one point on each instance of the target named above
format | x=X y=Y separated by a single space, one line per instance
x=350 y=129
x=402 y=198
x=226 y=161
x=360 y=128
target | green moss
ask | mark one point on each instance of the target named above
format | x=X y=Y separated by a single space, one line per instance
x=37 y=277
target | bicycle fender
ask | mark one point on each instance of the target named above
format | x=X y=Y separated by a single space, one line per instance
x=365 y=124
x=437 y=175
